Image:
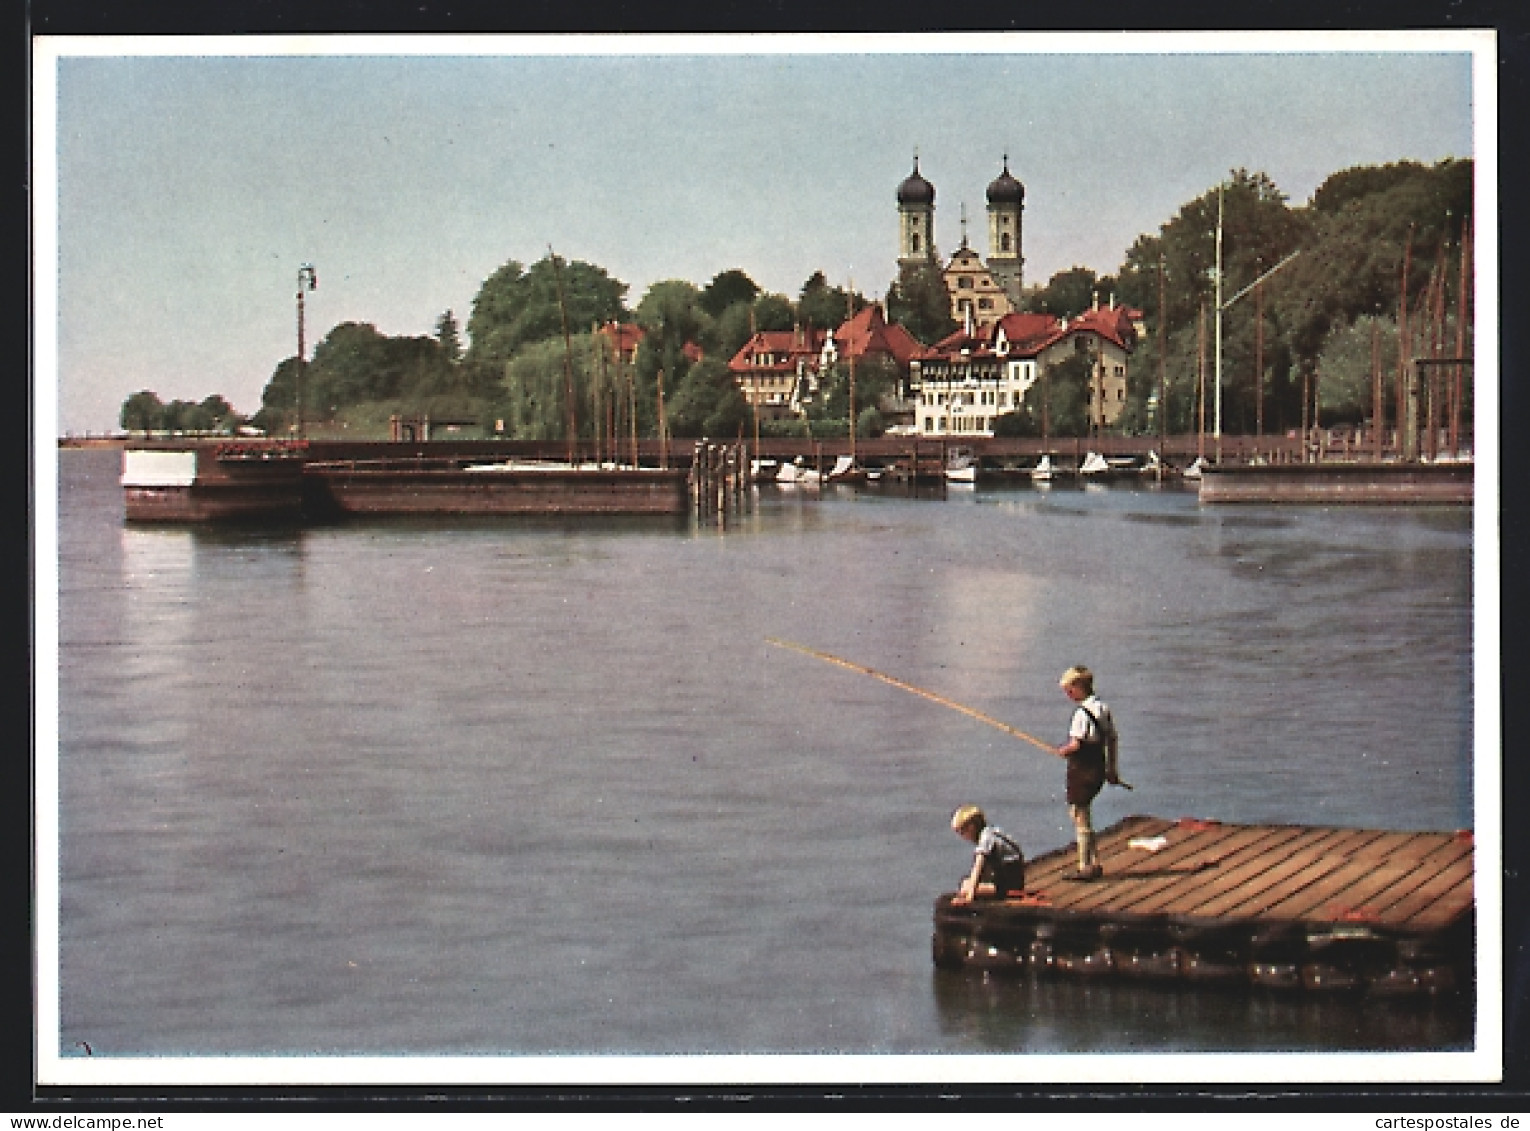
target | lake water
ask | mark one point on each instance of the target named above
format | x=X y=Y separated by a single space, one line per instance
x=510 y=787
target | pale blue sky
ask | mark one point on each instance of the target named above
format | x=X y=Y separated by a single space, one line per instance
x=190 y=189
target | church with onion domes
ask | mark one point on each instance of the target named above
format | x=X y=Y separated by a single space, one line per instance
x=982 y=291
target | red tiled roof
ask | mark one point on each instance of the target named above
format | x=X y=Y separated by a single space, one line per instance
x=1021 y=329
x=786 y=345
x=869 y=332
x=1028 y=334
x=1111 y=322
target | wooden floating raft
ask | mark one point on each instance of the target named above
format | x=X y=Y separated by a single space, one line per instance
x=1289 y=907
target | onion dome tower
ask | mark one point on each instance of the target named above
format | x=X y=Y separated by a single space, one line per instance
x=1006 y=203
x=916 y=219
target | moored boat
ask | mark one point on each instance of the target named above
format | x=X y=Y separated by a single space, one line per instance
x=962 y=467
x=1094 y=465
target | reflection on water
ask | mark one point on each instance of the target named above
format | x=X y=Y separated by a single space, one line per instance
x=516 y=787
x=1024 y=1013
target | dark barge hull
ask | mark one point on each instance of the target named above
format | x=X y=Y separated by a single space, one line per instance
x=350 y=487
x=1281 y=907
x=212 y=483
x=180 y=481
x=1383 y=483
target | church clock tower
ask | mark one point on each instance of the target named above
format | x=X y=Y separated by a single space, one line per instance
x=916 y=220
x=1006 y=202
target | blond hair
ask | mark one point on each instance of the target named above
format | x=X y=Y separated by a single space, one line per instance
x=1078 y=676
x=965 y=815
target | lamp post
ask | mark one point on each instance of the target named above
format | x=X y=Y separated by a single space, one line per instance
x=307 y=280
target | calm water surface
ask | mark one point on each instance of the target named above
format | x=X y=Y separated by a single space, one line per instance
x=537 y=787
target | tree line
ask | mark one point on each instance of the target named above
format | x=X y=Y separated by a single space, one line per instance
x=1376 y=274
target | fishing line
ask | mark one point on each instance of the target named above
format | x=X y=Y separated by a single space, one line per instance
x=970 y=712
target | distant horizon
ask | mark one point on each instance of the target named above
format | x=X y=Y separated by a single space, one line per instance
x=189 y=189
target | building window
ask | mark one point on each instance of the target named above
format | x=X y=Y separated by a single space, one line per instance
x=985 y=304
x=1004 y=242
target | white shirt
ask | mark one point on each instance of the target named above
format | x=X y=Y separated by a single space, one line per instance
x=1082 y=727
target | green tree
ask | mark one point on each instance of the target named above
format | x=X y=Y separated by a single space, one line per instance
x=448 y=336
x=1346 y=389
x=729 y=330
x=707 y=402
x=824 y=307
x=728 y=288
x=1019 y=422
x=671 y=316
x=918 y=301
x=1352 y=264
x=534 y=401
x=143 y=411
x=280 y=393
x=1069 y=293
x=515 y=307
x=1059 y=394
x=187 y=416
x=773 y=312
x=876 y=383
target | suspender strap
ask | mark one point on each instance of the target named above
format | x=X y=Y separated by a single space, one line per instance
x=1098 y=728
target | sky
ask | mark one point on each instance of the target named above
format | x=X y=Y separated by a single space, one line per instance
x=182 y=183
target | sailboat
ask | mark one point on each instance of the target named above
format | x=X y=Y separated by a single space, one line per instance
x=1042 y=472
x=844 y=469
x=1094 y=464
x=1194 y=470
x=798 y=472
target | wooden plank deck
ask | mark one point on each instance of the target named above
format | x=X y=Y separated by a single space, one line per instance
x=1402 y=881
x=1388 y=896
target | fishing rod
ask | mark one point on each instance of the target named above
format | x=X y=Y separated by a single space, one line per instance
x=933 y=697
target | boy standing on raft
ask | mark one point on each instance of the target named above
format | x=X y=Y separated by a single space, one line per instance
x=1091 y=752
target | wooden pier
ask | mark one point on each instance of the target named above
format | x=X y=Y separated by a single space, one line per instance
x=1334 y=482
x=1288 y=907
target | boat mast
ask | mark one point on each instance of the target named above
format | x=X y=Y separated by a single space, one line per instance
x=663 y=428
x=568 y=362
x=1218 y=423
x=1402 y=339
x=1461 y=316
x=1200 y=370
x=1377 y=404
x=1163 y=371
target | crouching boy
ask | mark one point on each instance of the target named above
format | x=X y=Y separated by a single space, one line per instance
x=998 y=865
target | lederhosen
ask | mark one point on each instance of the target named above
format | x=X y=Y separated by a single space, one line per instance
x=1006 y=875
x=1086 y=765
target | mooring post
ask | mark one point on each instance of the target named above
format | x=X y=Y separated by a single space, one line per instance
x=1410 y=415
